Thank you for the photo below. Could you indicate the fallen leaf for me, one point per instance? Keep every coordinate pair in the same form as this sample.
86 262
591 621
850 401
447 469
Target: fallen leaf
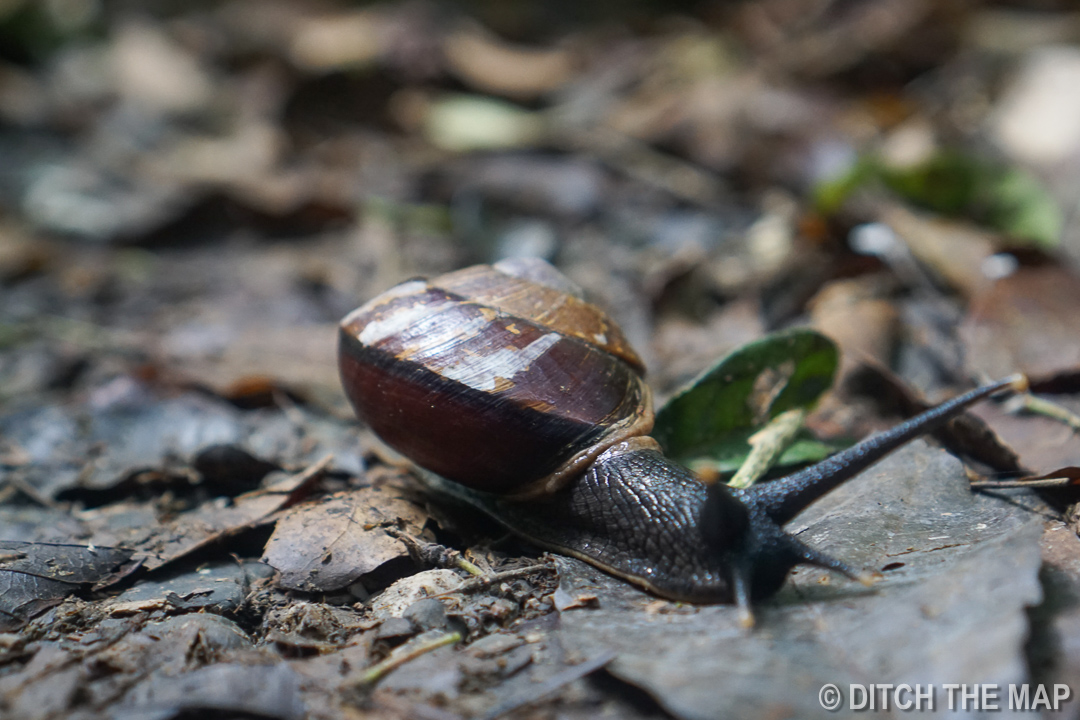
36 576
330 543
1026 322
160 543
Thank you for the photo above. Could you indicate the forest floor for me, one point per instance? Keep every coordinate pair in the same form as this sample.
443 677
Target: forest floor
193 195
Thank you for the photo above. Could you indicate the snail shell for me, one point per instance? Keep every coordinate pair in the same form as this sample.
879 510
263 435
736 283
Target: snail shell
507 367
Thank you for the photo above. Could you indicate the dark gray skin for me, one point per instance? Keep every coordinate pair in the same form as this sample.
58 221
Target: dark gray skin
647 519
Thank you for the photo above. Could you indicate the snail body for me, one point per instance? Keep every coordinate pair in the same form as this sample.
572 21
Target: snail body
532 406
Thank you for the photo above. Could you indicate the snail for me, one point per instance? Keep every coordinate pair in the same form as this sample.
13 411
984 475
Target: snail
530 404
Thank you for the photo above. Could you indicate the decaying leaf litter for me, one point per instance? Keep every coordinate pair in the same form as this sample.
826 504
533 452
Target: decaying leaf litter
190 519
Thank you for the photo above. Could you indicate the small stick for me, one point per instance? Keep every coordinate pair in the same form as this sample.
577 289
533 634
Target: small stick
1040 406
433 553
408 652
17 483
479 583
766 445
302 477
1022 483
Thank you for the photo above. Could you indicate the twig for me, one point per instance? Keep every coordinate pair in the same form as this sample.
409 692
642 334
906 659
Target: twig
20 485
432 553
297 483
406 653
1040 406
481 582
1022 483
766 445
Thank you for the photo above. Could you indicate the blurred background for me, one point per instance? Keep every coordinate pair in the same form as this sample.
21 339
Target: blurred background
193 193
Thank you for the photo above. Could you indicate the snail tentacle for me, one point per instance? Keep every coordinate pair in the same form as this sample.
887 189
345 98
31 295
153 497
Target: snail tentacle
785 498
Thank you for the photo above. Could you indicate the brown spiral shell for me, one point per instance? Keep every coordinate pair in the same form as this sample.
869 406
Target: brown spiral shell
501 378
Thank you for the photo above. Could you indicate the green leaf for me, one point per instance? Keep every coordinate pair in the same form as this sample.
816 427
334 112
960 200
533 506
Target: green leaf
830 193
1022 209
727 457
957 184
714 416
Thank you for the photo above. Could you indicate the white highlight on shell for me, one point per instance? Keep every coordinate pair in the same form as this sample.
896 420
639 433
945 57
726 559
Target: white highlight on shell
482 372
481 368
395 322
